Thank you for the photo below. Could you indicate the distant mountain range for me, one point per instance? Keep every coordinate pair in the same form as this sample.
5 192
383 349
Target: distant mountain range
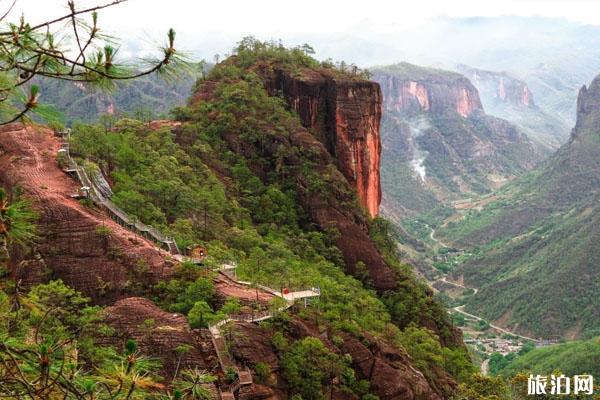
145 98
554 56
510 98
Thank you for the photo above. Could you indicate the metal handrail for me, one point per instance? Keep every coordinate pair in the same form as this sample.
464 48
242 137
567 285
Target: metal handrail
133 224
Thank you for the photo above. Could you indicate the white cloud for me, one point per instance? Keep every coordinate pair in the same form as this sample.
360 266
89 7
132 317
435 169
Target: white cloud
214 26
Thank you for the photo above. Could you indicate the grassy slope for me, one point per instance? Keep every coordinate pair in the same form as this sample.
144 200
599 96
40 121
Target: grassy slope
535 247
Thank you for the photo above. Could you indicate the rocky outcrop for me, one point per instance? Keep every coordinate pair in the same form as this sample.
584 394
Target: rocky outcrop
345 115
588 108
77 243
409 89
499 86
159 334
251 345
389 371
333 209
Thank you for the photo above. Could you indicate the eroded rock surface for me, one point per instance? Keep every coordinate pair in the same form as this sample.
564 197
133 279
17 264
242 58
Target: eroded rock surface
345 115
159 334
77 243
436 94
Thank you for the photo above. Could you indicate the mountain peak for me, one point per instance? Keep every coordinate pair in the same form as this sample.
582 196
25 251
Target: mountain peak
588 108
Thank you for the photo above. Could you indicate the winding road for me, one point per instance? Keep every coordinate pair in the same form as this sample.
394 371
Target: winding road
436 240
460 310
443 279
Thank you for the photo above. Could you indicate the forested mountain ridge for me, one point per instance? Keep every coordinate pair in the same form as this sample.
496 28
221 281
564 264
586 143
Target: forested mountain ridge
242 175
536 258
146 98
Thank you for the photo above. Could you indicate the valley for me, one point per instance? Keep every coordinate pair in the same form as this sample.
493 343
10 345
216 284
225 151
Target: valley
484 337
470 234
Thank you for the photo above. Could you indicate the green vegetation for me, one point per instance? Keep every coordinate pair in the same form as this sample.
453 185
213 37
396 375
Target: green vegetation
251 53
413 72
539 230
426 351
308 366
17 224
534 235
572 358
49 350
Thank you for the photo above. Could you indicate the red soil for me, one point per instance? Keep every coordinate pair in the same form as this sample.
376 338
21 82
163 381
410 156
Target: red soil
246 295
69 245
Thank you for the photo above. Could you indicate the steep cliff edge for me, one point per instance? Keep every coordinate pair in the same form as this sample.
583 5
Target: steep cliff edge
333 209
510 98
345 115
439 144
409 89
547 225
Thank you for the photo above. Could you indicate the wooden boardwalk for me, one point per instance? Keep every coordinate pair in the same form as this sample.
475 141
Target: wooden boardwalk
245 376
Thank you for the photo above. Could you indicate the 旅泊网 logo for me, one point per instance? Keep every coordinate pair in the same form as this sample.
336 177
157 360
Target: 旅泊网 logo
561 384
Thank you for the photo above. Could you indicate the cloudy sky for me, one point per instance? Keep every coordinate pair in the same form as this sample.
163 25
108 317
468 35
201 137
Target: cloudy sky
208 27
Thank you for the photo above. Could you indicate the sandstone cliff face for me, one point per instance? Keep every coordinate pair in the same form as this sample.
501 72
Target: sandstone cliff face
500 86
345 115
413 95
71 247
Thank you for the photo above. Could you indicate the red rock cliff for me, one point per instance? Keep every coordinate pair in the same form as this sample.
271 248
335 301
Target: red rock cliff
499 86
345 115
435 94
